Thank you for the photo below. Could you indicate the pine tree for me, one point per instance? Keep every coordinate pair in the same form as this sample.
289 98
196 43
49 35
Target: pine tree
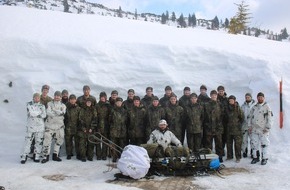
189 20
120 12
241 19
227 23
136 15
173 17
163 18
167 15
215 23
284 34
181 21
193 19
65 6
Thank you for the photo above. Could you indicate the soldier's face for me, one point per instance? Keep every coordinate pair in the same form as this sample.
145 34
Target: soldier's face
118 103
103 99
89 103
36 99
114 96
248 98
173 100
45 92
193 100
87 92
231 101
137 103
65 95
213 97
162 126
72 101
57 98
155 103
131 95
149 93
221 92
168 92
203 91
260 99
186 92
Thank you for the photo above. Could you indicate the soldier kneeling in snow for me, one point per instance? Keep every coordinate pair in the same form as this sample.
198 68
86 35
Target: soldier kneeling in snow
35 128
163 136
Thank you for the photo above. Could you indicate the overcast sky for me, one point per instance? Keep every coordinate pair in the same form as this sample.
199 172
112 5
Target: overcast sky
267 14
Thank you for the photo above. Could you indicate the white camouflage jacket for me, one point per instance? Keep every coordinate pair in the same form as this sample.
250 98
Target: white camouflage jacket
261 118
35 117
164 138
246 107
55 115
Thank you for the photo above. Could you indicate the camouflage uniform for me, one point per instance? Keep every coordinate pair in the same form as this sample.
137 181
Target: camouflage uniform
35 129
81 101
234 117
118 127
103 127
174 116
154 115
184 101
194 120
224 103
137 125
71 125
54 127
213 127
128 104
45 100
147 100
164 101
87 119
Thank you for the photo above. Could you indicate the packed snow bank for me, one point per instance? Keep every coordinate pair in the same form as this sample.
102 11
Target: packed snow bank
68 51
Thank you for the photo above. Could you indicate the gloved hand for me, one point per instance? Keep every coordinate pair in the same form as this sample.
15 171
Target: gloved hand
265 130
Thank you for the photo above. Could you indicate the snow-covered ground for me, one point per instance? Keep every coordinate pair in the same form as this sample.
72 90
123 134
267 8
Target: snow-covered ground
67 51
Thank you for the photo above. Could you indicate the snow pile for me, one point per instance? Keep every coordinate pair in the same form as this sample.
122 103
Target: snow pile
67 51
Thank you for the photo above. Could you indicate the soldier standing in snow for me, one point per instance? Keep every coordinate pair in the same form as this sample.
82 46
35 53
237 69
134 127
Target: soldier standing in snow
260 123
35 128
194 120
246 107
222 98
103 108
71 125
54 127
184 101
88 122
137 125
128 104
213 127
234 118
118 126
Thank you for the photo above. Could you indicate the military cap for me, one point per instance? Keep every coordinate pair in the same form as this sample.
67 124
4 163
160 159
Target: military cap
260 94
57 93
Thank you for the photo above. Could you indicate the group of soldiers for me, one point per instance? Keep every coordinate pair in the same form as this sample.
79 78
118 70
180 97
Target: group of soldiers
198 119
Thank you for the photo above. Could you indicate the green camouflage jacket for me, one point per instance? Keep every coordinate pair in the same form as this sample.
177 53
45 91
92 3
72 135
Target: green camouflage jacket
194 118
213 118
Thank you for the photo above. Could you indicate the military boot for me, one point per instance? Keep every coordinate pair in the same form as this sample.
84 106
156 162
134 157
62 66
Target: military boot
245 154
55 157
255 160
46 159
264 161
23 160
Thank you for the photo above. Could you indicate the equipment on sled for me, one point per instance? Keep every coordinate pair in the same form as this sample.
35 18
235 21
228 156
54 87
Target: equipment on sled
134 160
178 161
